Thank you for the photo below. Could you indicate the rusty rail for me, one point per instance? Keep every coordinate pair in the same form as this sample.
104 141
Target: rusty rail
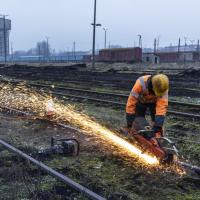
90 194
183 164
108 93
120 95
192 167
196 116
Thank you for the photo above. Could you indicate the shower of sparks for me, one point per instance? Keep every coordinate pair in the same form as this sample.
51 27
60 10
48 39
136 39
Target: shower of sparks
25 99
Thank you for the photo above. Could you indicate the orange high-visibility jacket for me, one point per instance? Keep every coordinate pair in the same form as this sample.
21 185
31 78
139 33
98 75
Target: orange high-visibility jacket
140 93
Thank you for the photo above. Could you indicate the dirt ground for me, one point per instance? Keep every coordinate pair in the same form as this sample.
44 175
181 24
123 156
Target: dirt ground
100 167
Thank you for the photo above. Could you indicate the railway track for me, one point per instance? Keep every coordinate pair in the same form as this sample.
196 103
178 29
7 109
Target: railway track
121 100
184 114
116 99
110 94
60 176
66 180
122 83
41 166
119 79
175 90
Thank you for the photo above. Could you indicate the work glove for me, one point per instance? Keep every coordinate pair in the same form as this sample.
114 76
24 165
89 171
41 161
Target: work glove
129 119
159 121
157 129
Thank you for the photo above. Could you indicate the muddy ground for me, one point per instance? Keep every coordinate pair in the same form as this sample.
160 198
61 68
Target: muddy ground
111 77
99 167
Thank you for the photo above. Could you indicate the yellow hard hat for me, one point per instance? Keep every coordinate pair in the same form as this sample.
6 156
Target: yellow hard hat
160 84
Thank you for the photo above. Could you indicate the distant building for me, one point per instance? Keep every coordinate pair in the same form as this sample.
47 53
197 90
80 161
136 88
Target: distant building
129 55
150 58
187 56
5 27
182 48
167 57
43 49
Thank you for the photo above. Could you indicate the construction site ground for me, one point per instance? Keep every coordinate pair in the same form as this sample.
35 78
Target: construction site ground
99 166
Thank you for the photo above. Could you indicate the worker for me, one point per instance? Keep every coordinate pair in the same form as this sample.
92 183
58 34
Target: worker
149 91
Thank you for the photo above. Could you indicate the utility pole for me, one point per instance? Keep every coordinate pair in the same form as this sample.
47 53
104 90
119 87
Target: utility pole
105 38
198 50
94 34
179 45
185 38
12 51
47 48
158 43
74 50
67 54
39 51
192 42
140 41
155 43
94 24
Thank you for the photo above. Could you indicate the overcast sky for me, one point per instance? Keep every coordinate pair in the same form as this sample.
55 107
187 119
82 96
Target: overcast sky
65 21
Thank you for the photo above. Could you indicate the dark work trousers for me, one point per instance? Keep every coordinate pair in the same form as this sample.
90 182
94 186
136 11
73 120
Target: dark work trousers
141 109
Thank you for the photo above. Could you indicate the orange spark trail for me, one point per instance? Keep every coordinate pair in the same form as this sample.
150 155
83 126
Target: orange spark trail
23 98
70 115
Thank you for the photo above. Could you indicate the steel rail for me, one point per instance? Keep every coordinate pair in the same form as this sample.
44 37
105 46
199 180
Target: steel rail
109 93
177 77
194 133
123 104
76 129
16 110
72 81
79 131
183 140
192 167
183 164
35 117
90 194
108 83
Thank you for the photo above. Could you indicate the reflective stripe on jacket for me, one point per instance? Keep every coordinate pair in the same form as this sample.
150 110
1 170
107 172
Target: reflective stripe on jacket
140 93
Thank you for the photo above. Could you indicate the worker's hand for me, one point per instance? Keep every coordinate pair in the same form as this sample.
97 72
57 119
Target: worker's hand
157 128
157 131
130 119
159 120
